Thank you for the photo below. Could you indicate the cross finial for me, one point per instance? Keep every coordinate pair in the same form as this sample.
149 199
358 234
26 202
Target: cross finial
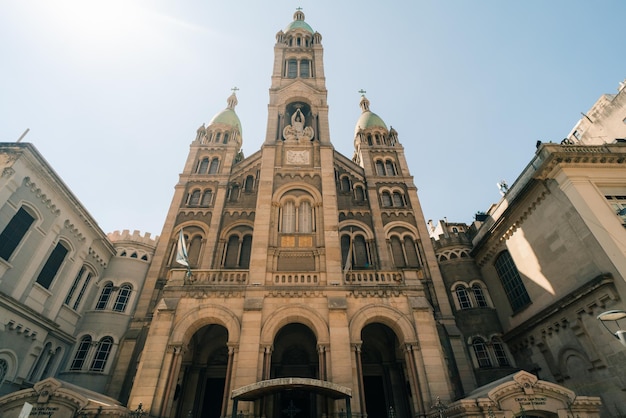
235 89
362 91
299 9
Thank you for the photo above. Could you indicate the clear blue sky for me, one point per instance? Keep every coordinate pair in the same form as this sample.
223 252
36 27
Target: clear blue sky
113 91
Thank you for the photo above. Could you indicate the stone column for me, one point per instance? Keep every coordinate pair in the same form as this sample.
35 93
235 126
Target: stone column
232 349
359 377
172 377
418 402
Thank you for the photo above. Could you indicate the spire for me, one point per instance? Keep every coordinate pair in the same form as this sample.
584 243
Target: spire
232 100
365 104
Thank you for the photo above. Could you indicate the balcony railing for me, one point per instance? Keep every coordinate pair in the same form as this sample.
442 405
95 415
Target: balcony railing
209 277
373 277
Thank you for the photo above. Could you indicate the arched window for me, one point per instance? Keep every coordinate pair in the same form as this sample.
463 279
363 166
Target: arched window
391 169
305 68
479 296
462 297
81 353
369 140
122 298
246 250
232 253
218 137
380 168
102 354
345 184
214 165
398 200
500 352
14 232
385 198
511 281
292 68
4 370
194 248
226 136
397 252
289 217
359 194
194 198
207 197
75 284
234 193
410 251
51 363
52 266
361 259
249 184
43 355
203 166
481 352
105 295
305 215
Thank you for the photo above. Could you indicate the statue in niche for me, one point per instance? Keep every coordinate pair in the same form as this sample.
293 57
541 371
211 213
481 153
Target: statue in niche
297 130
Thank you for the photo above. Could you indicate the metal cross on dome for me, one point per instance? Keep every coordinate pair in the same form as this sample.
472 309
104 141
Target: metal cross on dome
235 89
362 91
299 9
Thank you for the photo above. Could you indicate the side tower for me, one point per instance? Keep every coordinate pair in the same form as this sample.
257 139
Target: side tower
308 291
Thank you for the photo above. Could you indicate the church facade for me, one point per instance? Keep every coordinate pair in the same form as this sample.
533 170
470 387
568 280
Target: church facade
303 263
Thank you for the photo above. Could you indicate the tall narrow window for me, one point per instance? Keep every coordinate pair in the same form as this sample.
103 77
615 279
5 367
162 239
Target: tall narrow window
102 354
359 248
391 168
105 295
207 197
479 296
194 198
410 251
82 291
203 166
305 218
511 281
79 276
482 355
359 194
292 68
386 200
380 168
305 68
52 266
398 200
289 217
225 141
246 250
498 349
345 184
232 252
81 353
462 297
214 166
397 252
14 232
249 184
122 298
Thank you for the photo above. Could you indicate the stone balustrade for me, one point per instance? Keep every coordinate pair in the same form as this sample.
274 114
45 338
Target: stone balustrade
369 277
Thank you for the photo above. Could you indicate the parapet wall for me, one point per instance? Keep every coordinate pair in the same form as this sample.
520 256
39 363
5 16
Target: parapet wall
135 236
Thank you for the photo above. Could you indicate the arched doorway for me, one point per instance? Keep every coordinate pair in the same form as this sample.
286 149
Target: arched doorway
200 391
294 355
384 383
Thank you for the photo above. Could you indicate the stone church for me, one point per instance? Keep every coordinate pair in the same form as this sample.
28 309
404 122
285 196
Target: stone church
299 282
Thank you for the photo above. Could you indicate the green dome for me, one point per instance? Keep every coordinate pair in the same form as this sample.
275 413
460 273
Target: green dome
369 119
227 117
299 23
